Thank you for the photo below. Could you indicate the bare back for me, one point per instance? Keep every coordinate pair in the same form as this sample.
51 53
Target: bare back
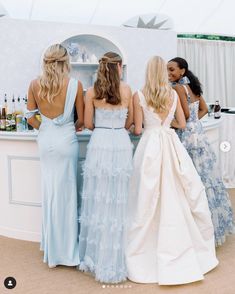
54 109
193 97
91 103
125 97
164 114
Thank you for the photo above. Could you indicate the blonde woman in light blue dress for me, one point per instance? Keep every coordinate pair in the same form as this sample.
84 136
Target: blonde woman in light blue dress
55 96
107 169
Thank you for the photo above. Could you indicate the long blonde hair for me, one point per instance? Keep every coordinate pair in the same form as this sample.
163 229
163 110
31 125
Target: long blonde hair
55 67
107 85
157 89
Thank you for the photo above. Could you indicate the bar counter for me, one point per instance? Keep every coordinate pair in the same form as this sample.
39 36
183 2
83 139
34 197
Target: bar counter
20 191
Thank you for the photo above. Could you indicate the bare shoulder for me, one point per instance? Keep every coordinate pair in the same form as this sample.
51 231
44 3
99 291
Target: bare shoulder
90 93
125 87
34 87
201 98
178 88
174 94
80 85
136 99
136 95
34 83
126 94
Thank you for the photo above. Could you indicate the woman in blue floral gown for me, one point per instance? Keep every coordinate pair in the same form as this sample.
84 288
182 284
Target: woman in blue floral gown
195 141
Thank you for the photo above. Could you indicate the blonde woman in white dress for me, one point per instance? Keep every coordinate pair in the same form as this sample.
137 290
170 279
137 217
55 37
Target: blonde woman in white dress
170 238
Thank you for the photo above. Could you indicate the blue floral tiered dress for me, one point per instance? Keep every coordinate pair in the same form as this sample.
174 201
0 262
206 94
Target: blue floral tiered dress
204 159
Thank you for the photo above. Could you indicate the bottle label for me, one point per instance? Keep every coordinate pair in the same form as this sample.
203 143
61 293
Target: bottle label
217 114
19 123
13 122
8 122
2 124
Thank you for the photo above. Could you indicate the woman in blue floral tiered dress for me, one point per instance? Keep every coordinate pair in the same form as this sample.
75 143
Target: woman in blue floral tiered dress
107 170
195 141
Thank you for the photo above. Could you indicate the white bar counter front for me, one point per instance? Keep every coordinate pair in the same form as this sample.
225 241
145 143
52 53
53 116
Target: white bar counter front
20 186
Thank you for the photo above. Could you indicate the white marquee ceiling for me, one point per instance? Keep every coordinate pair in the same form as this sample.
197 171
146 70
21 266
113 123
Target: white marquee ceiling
189 16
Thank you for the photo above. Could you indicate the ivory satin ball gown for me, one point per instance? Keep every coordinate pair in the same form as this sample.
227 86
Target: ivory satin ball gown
170 236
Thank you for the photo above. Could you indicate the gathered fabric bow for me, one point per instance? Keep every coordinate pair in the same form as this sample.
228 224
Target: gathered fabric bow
183 81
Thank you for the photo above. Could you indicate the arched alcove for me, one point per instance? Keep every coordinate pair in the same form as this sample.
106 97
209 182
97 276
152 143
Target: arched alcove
85 51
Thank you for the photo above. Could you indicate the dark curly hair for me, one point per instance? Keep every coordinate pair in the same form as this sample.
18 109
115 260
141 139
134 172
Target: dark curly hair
194 85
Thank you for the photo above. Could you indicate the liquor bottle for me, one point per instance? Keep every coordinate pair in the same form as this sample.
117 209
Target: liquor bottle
28 127
217 110
8 117
20 123
19 109
0 118
3 119
5 102
13 116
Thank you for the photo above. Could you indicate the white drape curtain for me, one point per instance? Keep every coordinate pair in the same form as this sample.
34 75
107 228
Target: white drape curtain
213 62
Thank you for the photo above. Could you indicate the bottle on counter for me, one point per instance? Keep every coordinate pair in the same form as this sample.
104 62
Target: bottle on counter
3 119
8 117
19 109
0 118
217 110
20 126
13 115
20 122
28 127
5 102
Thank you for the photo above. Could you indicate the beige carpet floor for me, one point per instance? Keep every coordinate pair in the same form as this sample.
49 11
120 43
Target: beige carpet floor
23 260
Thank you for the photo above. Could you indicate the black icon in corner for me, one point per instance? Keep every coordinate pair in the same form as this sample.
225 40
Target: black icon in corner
10 282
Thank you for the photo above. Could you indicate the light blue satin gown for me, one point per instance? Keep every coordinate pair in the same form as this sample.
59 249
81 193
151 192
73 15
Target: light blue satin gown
58 149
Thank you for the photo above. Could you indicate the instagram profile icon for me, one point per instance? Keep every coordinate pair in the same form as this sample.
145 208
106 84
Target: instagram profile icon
10 282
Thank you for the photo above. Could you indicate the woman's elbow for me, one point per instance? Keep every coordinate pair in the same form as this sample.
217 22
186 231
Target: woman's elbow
80 123
186 114
137 131
182 125
205 111
89 126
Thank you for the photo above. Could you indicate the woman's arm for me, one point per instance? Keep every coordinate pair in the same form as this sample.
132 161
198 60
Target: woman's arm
138 115
79 104
32 105
203 109
183 99
179 121
129 120
89 109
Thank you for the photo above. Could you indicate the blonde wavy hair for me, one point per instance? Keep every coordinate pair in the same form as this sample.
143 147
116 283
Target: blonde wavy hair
107 85
157 89
55 67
